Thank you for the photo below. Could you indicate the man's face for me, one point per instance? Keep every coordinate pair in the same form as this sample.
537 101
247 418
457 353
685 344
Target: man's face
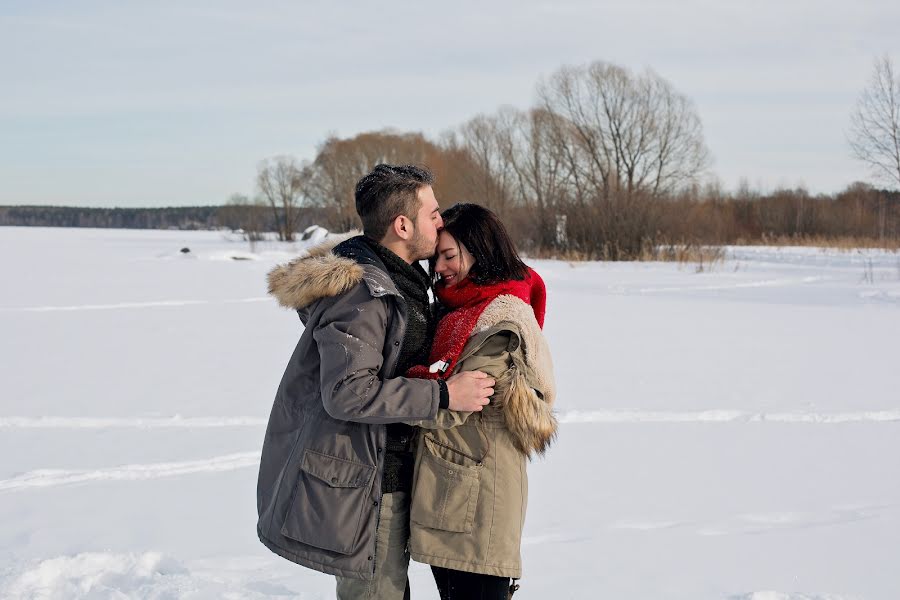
423 243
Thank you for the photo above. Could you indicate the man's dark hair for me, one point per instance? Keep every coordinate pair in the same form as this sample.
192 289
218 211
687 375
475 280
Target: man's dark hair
388 192
484 236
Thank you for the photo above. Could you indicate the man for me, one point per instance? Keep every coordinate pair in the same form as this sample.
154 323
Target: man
336 466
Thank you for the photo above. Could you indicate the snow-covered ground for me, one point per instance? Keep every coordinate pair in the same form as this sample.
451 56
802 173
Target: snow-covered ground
726 434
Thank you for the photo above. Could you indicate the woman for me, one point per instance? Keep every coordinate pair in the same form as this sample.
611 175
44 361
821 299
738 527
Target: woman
470 487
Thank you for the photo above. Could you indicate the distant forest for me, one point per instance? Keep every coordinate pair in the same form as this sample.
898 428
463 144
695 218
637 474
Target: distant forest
182 217
253 219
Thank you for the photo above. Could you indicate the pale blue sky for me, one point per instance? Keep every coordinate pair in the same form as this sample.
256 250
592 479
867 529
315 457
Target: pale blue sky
170 103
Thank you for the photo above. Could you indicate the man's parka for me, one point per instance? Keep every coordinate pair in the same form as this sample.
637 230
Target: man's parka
319 486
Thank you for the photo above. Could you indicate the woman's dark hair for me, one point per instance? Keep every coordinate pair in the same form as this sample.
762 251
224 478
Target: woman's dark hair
486 239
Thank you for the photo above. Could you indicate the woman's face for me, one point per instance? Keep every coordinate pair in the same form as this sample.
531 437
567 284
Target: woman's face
453 260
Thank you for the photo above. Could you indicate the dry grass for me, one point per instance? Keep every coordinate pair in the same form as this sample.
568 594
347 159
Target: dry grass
571 256
845 243
704 257
708 256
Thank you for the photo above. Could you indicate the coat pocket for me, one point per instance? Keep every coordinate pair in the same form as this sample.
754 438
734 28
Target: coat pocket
446 493
330 502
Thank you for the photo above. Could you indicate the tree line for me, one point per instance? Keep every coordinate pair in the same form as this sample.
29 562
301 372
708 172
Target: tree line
699 216
180 217
607 163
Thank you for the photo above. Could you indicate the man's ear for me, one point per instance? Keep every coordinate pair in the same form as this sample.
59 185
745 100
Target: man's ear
403 227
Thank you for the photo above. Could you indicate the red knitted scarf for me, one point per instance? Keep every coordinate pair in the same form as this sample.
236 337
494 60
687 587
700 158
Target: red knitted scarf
467 300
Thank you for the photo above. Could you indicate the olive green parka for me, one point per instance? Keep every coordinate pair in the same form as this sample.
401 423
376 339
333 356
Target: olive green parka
470 489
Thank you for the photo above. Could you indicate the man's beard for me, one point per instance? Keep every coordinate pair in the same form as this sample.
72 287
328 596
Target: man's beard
420 248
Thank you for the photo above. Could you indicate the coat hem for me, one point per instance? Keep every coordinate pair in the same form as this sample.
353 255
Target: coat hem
306 562
467 566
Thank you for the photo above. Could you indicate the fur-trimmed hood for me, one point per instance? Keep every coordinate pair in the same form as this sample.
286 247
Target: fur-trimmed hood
527 405
320 273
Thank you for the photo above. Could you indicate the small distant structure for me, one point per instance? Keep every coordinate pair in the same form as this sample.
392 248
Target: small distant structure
314 234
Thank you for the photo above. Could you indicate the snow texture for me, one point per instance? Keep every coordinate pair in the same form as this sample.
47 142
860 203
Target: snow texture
729 434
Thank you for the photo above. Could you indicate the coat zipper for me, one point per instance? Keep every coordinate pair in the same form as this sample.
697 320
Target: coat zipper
380 458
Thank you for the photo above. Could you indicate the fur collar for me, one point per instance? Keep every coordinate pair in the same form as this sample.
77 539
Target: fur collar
317 274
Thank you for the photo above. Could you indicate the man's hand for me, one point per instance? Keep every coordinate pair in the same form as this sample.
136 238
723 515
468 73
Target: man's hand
470 391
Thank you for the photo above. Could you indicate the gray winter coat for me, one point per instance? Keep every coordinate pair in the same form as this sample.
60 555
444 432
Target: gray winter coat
322 461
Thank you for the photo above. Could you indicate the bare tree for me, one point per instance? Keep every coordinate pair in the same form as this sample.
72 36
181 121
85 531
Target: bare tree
520 170
624 141
483 138
244 214
626 132
231 214
340 163
282 181
875 123
538 166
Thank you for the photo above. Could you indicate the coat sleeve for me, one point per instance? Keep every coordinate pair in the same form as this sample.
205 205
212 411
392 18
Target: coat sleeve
491 357
351 337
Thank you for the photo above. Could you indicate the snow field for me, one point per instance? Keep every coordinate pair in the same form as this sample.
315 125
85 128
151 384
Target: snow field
730 434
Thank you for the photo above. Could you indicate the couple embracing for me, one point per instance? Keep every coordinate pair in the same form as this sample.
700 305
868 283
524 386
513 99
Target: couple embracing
402 426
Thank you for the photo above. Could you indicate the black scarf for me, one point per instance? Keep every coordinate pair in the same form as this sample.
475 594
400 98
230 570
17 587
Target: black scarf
413 284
